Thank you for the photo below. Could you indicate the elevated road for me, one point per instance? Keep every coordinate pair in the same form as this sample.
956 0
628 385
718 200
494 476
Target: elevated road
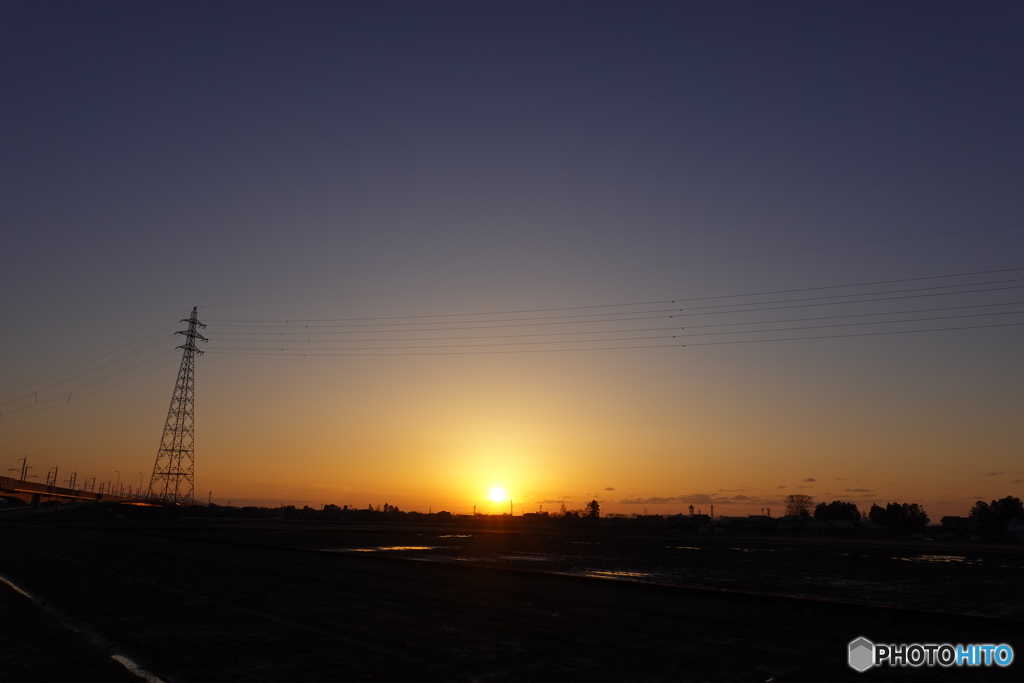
38 494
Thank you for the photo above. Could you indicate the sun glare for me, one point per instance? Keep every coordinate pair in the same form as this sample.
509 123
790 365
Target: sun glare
498 494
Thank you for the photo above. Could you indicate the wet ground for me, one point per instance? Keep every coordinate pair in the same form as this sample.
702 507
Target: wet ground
204 600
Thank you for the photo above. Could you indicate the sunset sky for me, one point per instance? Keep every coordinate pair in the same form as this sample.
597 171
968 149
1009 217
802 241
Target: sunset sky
467 224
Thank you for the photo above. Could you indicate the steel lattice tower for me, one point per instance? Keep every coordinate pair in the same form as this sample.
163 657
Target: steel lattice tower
173 472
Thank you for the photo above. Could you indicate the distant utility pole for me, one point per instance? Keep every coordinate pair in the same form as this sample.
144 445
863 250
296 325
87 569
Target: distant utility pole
173 477
51 476
71 480
24 463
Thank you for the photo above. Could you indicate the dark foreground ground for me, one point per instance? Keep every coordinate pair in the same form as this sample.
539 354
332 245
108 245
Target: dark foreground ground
201 600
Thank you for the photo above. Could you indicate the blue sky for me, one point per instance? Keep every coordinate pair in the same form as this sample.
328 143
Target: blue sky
161 156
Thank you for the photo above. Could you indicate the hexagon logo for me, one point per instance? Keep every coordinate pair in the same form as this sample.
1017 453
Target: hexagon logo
862 654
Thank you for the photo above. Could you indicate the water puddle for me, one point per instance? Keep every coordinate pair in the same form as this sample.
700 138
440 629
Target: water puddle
600 574
527 557
939 558
378 549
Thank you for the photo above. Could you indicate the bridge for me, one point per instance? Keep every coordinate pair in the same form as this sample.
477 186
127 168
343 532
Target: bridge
33 495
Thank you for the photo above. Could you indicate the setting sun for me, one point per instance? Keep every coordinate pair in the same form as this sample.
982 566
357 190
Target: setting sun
498 494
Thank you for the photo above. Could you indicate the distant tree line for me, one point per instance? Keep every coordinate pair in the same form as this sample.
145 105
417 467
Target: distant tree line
991 518
837 511
900 519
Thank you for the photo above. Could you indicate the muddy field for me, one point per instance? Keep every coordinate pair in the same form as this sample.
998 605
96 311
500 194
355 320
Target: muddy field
207 600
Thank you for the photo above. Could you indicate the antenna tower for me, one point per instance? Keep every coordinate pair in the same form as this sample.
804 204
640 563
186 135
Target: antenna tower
173 472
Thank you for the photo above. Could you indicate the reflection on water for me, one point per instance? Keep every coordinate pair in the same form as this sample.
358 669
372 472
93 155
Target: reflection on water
528 557
136 669
615 574
377 549
939 558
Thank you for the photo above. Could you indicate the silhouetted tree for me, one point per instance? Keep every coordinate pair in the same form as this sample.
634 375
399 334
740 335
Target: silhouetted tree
837 511
992 518
798 504
900 518
592 510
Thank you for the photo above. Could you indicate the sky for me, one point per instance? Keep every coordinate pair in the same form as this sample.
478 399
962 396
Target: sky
437 246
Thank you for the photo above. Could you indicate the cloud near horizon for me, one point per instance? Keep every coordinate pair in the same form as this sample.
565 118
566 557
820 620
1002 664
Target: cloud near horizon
690 499
810 479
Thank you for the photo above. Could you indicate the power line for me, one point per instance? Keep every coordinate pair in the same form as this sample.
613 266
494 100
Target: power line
855 334
583 341
785 252
389 351
616 348
462 346
614 330
84 373
92 382
75 367
5 419
638 303
675 312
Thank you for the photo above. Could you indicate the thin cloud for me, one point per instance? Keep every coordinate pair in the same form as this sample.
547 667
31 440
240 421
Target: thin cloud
810 479
994 474
858 490
1017 481
781 486
648 501
688 499
609 488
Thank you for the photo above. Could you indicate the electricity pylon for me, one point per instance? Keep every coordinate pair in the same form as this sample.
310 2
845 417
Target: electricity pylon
173 472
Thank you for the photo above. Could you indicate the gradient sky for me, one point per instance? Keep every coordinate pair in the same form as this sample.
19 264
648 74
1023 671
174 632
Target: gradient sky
308 160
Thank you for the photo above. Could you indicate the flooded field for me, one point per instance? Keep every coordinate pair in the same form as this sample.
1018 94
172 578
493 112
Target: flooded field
985 580
209 600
